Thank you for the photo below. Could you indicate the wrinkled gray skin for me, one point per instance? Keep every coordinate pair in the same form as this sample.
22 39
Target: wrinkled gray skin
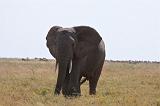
79 52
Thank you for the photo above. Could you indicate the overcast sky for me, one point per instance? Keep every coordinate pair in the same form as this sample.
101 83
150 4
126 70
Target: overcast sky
130 28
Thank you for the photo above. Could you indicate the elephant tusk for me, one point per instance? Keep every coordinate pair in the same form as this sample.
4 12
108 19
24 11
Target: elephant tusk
70 67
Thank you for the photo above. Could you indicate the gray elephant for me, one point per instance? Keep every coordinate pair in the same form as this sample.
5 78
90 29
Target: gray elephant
79 52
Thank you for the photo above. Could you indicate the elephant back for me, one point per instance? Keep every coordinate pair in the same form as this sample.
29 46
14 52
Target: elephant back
87 34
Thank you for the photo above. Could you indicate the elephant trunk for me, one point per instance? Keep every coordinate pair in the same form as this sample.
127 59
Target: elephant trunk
63 58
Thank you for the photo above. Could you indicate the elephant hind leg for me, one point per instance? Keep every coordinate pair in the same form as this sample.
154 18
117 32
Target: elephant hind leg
92 86
94 80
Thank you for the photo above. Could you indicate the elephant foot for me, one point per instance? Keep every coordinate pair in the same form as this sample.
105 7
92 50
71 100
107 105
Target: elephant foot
56 92
72 95
65 92
74 92
92 92
71 92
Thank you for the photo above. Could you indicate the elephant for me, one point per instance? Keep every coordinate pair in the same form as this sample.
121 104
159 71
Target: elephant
80 53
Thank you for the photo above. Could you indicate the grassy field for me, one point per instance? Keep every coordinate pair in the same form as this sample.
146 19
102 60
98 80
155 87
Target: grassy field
31 83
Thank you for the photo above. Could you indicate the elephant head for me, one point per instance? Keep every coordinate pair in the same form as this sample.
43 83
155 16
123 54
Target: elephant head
66 44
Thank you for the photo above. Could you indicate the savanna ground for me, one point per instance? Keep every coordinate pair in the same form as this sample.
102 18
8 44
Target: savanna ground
31 83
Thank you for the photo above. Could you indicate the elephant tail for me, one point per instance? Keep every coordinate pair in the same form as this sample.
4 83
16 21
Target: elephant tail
56 65
83 80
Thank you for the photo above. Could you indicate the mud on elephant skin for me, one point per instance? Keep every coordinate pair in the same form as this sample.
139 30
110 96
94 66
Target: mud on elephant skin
79 52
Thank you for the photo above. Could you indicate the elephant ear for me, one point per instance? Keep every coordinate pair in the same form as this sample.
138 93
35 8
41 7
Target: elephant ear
51 39
52 32
88 40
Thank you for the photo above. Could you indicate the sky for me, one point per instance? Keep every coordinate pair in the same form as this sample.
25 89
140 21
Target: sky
129 28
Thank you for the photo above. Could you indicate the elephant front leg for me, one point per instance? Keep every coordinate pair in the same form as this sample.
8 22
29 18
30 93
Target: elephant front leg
65 90
57 90
74 84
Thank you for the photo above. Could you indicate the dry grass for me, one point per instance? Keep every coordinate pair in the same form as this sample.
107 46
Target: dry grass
31 83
